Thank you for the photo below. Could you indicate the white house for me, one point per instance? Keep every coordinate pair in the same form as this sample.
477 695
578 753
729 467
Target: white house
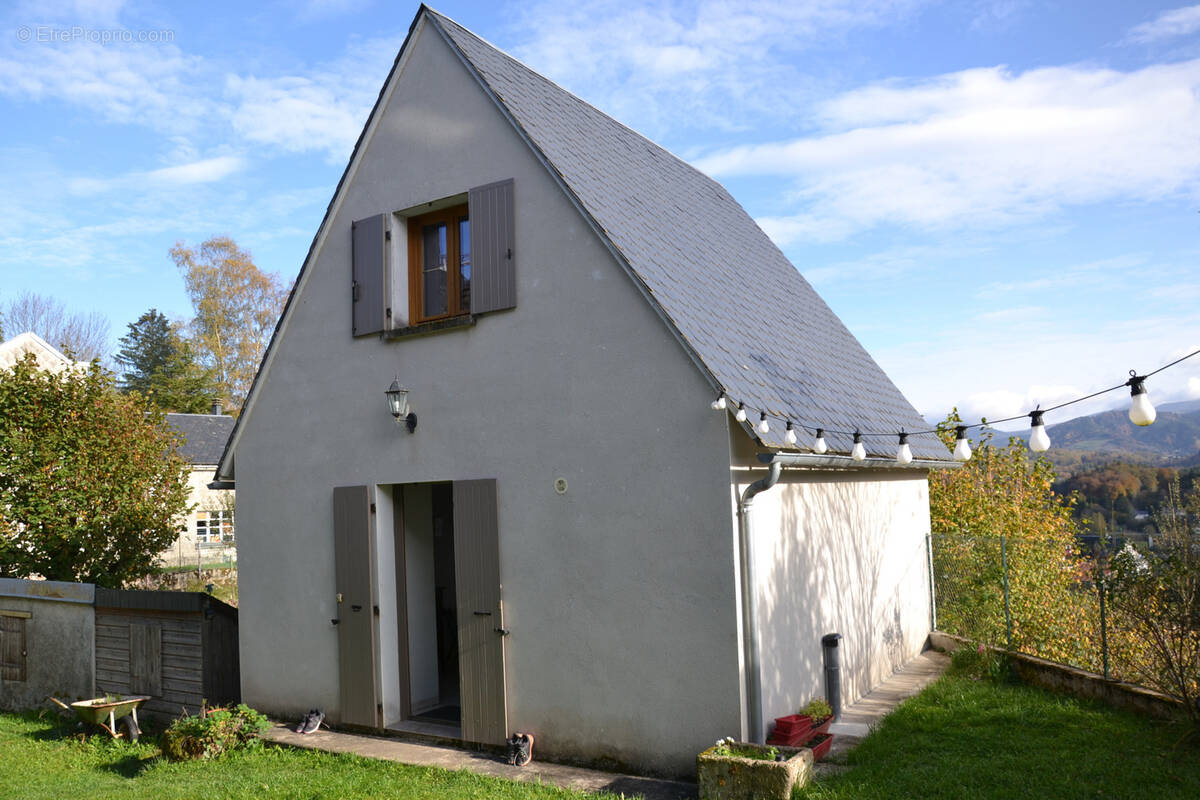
552 541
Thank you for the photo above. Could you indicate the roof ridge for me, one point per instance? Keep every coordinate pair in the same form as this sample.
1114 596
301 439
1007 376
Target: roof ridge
574 96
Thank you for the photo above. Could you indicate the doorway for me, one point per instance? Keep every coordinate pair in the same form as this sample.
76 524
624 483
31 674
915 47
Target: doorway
430 600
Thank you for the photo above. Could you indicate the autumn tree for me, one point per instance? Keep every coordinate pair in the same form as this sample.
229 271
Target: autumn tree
82 336
91 484
160 365
1000 507
1156 595
236 306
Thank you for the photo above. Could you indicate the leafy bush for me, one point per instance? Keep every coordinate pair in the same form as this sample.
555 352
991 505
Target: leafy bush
212 733
818 709
981 663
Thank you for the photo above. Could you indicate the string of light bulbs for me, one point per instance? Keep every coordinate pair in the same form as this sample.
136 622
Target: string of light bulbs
1141 413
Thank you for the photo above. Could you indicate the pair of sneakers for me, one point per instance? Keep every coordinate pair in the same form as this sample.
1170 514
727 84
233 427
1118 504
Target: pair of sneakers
312 720
520 749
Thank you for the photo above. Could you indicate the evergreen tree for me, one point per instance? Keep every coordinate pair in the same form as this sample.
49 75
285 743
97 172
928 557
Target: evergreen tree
160 366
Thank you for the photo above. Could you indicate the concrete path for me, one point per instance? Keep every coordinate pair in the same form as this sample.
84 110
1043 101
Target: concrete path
858 719
855 723
483 763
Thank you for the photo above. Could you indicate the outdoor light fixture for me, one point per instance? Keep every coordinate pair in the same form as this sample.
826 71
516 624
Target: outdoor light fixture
719 404
397 397
789 435
763 427
740 416
1039 442
819 445
859 452
904 452
962 447
1141 413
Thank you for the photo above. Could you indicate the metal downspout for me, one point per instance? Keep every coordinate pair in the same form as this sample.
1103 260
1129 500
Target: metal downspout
749 593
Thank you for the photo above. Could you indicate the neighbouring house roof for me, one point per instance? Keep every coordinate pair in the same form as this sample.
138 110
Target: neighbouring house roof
48 357
748 318
204 435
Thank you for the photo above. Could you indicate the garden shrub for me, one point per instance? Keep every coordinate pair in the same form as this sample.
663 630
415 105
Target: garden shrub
212 733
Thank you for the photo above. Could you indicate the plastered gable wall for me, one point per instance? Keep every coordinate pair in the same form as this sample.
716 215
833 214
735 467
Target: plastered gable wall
840 552
619 594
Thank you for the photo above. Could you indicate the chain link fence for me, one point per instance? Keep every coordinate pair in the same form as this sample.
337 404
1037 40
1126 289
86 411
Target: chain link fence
1034 597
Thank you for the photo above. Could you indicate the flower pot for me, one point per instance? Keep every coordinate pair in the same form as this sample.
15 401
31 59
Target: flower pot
820 745
821 726
731 777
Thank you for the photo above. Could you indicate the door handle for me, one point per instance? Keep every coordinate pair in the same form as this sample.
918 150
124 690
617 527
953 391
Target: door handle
483 613
502 631
355 608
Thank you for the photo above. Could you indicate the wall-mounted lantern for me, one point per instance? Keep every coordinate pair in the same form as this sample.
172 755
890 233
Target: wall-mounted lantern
397 397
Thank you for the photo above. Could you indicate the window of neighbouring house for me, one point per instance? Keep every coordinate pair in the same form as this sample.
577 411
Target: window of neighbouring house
439 264
214 526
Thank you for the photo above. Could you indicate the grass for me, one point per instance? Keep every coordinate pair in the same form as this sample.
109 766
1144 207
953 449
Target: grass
975 733
44 758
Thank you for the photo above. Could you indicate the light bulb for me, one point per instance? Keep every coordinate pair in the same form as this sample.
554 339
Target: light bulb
763 427
790 435
819 445
740 416
719 404
904 452
1141 412
1039 442
962 447
859 452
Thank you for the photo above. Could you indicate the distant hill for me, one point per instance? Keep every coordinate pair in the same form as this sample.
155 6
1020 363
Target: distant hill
1174 437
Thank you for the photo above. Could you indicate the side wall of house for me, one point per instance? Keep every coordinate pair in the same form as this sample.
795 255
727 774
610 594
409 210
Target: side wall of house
838 552
619 594
56 620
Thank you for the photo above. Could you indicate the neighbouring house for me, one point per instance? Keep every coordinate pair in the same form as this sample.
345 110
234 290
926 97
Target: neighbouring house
48 357
207 533
548 536
75 641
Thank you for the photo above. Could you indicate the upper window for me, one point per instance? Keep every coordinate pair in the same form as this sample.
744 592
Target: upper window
439 264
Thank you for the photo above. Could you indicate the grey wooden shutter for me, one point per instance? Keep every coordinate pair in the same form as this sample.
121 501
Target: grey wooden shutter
354 575
12 649
480 613
493 247
145 659
368 288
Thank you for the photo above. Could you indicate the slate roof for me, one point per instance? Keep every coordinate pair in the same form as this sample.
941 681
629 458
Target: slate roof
746 313
204 436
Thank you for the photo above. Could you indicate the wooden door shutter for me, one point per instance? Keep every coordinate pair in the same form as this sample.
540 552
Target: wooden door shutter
354 556
145 659
493 247
12 648
368 288
480 614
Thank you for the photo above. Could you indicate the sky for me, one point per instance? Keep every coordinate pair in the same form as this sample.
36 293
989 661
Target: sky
999 198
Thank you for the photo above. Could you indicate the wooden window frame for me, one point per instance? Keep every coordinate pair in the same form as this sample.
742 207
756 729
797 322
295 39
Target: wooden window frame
451 217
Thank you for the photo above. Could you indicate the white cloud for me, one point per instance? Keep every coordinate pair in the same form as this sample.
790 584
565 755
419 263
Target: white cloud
984 147
1193 388
1167 25
206 171
688 64
322 111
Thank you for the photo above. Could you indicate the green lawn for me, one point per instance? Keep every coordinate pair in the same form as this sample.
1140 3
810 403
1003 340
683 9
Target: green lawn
972 736
40 758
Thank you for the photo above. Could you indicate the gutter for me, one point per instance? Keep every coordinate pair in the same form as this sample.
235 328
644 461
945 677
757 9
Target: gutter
812 460
750 638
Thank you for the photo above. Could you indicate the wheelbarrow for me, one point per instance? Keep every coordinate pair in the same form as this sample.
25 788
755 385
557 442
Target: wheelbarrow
121 714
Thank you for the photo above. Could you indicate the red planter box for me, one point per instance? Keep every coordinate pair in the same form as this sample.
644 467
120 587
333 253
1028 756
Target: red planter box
792 731
820 745
823 727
